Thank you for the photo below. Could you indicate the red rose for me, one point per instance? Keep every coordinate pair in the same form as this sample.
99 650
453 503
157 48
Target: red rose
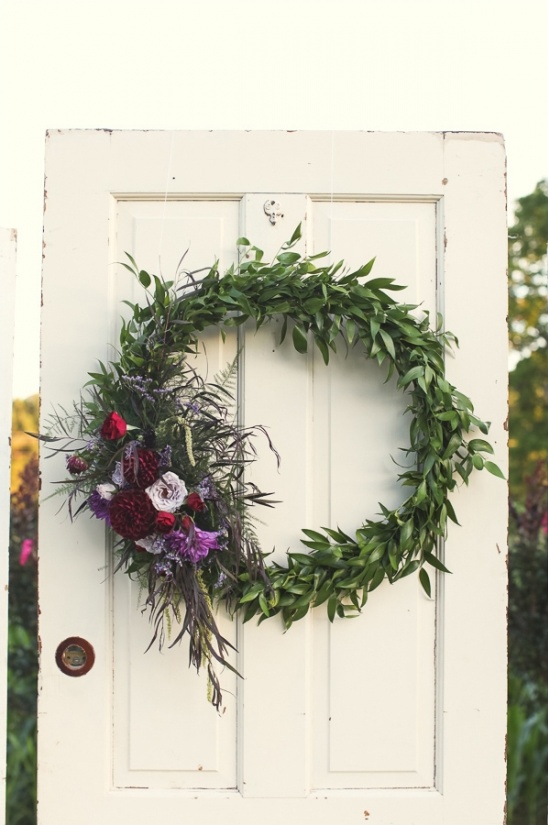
195 502
76 465
113 427
186 523
140 467
164 522
132 514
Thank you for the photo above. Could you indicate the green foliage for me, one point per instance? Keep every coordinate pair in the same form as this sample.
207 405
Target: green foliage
22 655
527 246
528 642
23 447
528 565
528 329
327 306
527 753
528 555
528 420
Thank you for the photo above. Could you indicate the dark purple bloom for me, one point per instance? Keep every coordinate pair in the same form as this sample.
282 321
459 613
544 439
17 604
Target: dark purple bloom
194 545
165 456
99 506
206 489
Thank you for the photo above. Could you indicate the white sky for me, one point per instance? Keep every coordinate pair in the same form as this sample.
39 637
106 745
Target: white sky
405 65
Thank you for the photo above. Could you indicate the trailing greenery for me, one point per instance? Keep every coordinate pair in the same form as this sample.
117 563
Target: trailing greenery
328 307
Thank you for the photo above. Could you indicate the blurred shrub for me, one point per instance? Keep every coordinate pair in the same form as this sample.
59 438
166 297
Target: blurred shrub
22 652
528 663
527 753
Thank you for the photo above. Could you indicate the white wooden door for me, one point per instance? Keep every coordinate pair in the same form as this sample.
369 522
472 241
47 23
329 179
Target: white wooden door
395 717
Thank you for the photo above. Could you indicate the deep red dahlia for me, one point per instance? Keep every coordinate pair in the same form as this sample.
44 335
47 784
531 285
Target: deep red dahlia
141 468
132 514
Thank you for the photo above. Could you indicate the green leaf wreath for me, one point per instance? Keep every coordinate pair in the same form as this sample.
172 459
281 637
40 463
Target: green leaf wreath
156 452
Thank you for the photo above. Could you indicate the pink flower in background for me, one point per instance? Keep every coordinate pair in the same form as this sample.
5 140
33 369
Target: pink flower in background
26 551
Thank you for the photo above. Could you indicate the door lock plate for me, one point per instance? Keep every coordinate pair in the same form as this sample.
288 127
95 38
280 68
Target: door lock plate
75 656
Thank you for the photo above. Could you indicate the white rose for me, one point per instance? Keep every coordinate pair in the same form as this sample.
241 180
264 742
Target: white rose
167 493
106 491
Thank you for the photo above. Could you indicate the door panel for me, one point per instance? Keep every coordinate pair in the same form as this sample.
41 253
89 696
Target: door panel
333 427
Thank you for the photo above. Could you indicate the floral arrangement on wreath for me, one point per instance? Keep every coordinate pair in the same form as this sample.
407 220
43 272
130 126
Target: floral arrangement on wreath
159 456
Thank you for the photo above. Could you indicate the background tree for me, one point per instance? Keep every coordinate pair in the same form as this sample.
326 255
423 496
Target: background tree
528 606
528 322
22 646
23 447
527 247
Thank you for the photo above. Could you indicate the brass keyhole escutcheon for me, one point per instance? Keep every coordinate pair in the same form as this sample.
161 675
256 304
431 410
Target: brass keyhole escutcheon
75 656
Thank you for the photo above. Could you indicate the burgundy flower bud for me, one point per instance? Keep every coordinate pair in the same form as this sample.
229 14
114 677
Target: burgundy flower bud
195 502
76 465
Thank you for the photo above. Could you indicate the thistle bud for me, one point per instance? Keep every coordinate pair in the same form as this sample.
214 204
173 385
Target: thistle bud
76 465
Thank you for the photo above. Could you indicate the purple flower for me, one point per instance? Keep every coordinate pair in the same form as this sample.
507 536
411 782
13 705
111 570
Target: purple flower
165 456
99 506
194 545
206 489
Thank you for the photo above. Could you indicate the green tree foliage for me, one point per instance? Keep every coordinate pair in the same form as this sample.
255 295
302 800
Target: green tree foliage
528 606
528 329
527 753
528 421
22 638
23 447
22 653
528 666
527 245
